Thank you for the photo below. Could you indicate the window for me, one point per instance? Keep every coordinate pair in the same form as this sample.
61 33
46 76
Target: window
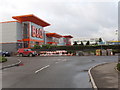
37 43
25 30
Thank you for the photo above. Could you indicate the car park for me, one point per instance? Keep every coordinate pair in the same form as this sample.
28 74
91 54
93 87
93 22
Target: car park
26 52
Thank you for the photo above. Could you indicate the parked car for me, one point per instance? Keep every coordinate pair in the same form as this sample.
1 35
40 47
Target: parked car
26 52
4 53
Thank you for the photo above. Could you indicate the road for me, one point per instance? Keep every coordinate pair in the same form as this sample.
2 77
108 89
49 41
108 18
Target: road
52 72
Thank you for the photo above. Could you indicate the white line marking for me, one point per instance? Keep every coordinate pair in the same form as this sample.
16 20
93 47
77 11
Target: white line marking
42 68
56 62
64 60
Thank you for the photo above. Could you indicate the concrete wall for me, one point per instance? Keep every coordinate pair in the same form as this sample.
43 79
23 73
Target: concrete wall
9 32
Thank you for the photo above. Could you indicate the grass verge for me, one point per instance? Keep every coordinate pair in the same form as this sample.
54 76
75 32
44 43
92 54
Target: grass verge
2 59
118 66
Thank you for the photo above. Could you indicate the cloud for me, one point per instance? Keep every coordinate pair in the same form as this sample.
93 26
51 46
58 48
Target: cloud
80 18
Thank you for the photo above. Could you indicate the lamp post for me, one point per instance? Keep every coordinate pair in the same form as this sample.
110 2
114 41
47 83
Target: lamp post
116 33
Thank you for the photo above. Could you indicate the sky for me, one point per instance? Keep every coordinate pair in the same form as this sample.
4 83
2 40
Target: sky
79 18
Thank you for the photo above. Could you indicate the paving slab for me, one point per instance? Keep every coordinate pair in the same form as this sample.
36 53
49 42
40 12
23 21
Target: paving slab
106 76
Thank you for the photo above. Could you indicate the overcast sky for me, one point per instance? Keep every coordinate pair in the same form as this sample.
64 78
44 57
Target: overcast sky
79 18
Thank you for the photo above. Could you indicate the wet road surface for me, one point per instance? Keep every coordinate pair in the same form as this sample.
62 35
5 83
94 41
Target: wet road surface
52 72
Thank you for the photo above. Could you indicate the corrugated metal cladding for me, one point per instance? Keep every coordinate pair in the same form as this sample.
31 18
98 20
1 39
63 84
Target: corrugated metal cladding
9 32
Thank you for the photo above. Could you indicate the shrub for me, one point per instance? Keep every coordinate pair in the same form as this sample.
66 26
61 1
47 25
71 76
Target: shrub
37 47
118 66
116 48
47 46
3 59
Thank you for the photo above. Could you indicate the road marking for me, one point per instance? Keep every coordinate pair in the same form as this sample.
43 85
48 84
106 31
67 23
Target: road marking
64 60
42 68
56 62
58 59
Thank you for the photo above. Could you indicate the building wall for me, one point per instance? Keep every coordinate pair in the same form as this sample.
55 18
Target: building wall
61 41
44 35
19 35
49 39
0 36
113 43
12 35
68 41
84 40
19 31
10 47
0 47
9 36
9 31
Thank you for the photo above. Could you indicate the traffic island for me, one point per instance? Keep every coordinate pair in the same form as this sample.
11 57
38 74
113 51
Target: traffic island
10 63
104 76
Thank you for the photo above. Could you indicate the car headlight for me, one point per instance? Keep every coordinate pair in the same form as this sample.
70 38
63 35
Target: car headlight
6 52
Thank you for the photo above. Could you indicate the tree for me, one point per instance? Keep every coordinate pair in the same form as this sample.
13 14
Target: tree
81 43
36 47
88 43
75 43
100 40
47 46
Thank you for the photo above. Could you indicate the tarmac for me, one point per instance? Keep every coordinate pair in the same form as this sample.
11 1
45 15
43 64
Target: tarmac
106 76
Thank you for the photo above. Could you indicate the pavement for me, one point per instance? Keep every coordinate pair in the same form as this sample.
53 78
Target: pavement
106 76
10 62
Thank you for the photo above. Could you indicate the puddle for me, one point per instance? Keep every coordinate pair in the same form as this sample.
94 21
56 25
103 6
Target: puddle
81 80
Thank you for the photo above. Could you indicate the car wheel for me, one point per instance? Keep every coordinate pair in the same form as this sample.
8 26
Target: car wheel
4 55
21 55
30 54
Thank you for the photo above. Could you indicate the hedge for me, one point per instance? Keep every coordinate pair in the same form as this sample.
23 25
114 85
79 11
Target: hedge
116 48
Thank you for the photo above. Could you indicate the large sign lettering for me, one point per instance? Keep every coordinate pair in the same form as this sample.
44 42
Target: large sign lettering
37 32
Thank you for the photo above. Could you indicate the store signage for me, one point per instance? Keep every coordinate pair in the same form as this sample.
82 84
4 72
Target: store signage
37 32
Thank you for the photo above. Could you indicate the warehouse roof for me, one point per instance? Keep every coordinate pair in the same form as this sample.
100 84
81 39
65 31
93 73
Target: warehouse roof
31 18
53 35
68 36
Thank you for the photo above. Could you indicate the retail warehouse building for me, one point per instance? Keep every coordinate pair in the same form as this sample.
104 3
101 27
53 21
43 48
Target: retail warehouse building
27 31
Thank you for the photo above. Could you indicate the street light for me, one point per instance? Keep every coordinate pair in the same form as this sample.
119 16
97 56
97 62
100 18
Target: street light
116 33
